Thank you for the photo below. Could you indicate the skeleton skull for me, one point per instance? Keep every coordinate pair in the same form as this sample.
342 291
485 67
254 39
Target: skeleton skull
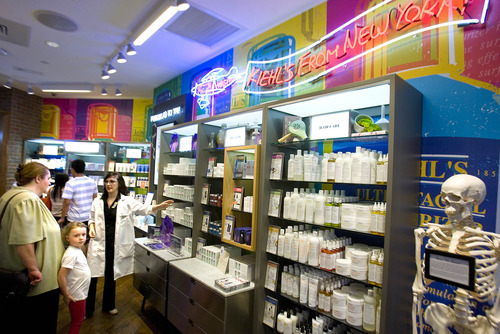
459 193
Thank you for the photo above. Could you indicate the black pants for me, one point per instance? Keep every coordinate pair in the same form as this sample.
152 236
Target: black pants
35 314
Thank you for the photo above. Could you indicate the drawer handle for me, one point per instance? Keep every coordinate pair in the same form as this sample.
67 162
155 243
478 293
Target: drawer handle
147 252
147 269
191 301
193 281
191 322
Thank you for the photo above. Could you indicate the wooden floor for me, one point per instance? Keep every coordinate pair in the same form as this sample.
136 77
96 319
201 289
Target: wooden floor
130 318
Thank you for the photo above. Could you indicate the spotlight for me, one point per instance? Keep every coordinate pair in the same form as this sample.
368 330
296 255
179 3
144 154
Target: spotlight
111 69
104 74
30 90
131 50
121 58
8 84
182 5
103 91
118 92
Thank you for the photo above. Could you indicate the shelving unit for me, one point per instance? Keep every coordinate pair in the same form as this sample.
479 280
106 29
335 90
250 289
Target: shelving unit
132 161
401 192
250 186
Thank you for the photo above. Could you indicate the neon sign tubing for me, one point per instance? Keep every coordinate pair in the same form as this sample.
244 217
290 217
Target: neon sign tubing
412 33
485 9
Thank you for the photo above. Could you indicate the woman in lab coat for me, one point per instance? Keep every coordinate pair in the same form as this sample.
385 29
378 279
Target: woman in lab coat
111 229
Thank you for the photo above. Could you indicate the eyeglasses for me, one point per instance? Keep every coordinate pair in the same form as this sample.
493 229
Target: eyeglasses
109 181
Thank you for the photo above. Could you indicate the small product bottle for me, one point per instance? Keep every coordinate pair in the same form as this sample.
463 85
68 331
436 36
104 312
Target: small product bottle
324 168
308 166
380 269
327 301
298 167
319 209
221 135
365 168
339 168
289 282
374 218
313 253
321 297
293 204
309 218
287 205
280 324
331 167
336 209
291 162
281 242
347 168
369 311
296 286
287 327
328 208
287 253
377 318
304 288
322 255
211 142
356 165
301 206
295 247
379 177
313 292
284 281
303 248
372 267
381 219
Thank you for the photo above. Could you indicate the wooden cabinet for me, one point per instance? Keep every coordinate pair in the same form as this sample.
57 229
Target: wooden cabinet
197 306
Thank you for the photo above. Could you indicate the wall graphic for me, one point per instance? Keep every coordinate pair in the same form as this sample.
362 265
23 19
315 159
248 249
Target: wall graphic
100 119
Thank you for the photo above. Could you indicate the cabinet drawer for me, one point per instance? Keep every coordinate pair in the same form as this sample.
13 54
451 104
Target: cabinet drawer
159 285
195 290
193 311
183 324
141 255
142 271
158 301
157 266
141 286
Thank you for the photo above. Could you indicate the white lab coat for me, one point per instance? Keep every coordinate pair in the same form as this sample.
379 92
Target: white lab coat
124 236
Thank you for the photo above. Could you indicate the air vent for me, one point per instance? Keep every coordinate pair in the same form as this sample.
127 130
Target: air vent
201 27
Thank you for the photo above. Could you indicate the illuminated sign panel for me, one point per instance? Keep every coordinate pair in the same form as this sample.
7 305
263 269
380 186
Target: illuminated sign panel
402 21
214 82
167 114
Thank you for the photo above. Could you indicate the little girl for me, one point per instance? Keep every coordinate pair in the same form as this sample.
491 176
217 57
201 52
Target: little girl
74 275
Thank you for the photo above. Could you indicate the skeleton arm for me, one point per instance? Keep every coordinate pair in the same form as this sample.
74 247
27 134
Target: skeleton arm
493 314
418 285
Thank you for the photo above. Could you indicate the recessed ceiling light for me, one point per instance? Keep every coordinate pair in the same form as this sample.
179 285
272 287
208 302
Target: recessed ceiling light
52 44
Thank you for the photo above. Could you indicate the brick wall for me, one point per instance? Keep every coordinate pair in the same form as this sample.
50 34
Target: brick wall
25 123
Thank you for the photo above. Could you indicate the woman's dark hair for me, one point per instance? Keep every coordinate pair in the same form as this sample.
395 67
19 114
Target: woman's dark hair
26 173
60 182
122 188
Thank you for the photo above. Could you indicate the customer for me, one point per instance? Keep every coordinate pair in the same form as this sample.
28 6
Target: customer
111 229
74 275
78 195
30 238
55 194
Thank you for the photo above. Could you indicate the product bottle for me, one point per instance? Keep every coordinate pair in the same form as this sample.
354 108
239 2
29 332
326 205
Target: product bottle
287 205
221 135
374 218
321 297
284 281
380 269
324 168
356 165
281 322
289 282
295 287
336 208
281 242
291 162
347 168
304 288
328 208
309 207
331 167
295 247
339 168
316 167
379 177
327 301
372 267
308 166
373 167
322 255
330 256
303 248
377 318
287 327
211 142
287 253
369 311
293 204
298 167
386 167
381 219
313 292
313 253
319 209
365 168
301 206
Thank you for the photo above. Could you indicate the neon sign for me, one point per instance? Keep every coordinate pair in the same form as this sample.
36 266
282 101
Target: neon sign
214 82
271 76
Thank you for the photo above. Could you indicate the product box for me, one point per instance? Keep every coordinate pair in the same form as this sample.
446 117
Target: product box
242 235
243 266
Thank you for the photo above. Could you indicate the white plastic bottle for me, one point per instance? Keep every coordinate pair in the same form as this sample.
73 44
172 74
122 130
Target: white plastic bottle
373 167
295 247
380 269
304 288
293 204
356 165
308 166
339 168
295 286
291 163
336 209
365 168
286 205
298 167
369 311
379 177
313 251
289 282
287 253
313 292
284 281
316 167
281 242
377 318
374 218
309 218
347 168
301 206
287 327
324 168
319 209
303 248
281 322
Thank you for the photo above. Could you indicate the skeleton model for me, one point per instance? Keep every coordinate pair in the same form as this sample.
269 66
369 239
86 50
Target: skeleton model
459 194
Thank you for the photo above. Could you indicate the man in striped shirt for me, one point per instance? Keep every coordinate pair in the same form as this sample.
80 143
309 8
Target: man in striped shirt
78 195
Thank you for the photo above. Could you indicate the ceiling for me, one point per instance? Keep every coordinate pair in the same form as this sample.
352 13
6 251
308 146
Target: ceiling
102 29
